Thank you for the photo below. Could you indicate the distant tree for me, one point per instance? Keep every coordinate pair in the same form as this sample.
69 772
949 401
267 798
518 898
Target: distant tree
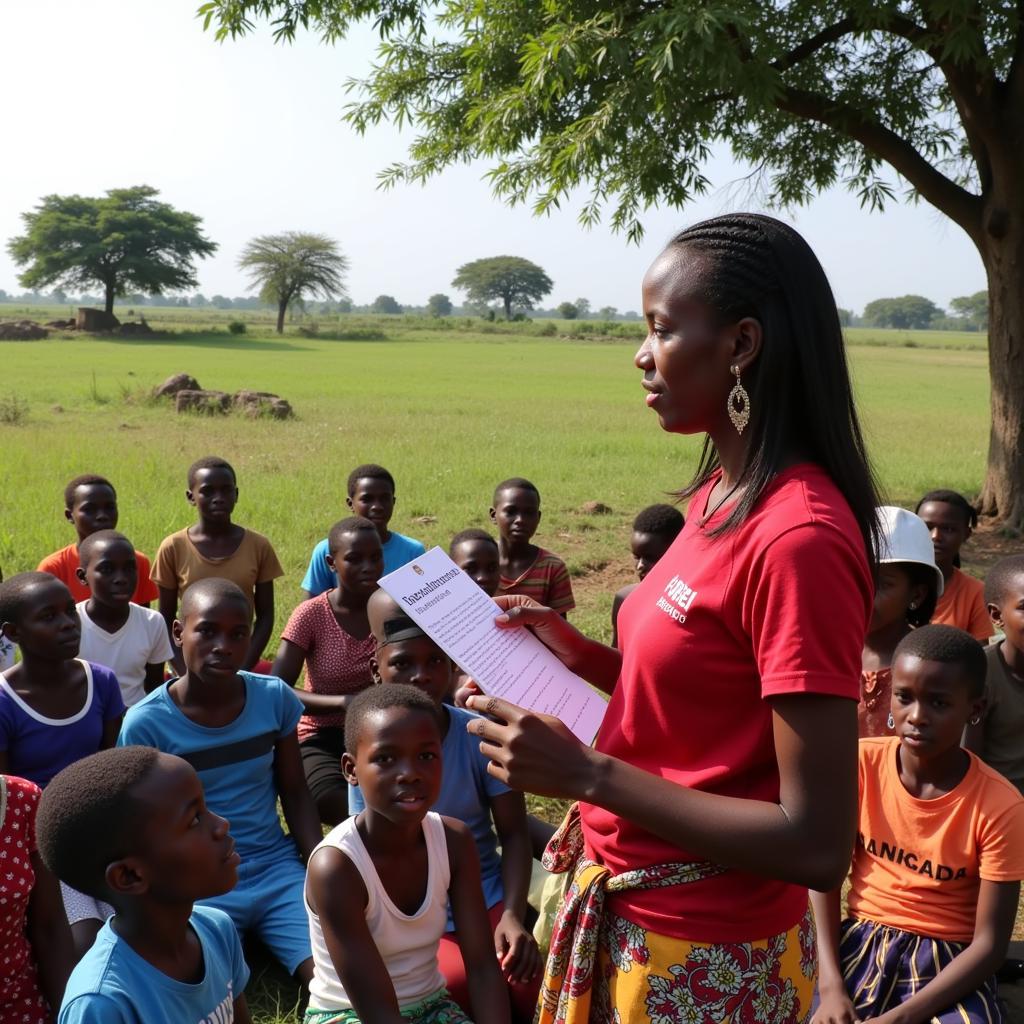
126 239
845 316
568 310
344 305
439 305
973 309
286 268
386 304
199 300
512 279
913 312
59 296
4 297
582 308
607 312
221 302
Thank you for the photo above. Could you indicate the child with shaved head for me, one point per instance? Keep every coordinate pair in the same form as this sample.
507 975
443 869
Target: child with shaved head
237 730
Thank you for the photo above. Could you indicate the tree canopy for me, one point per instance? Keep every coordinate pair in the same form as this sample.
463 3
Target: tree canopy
286 268
907 311
973 309
387 304
439 304
124 241
512 279
626 100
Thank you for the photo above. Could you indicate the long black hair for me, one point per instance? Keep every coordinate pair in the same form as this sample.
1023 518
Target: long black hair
800 393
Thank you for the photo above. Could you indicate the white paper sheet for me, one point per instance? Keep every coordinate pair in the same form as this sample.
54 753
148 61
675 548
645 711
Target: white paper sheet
512 664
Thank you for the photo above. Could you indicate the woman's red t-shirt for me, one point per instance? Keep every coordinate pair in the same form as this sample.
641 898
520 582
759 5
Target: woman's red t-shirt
719 625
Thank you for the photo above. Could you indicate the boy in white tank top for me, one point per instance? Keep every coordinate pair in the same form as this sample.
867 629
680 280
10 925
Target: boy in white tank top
378 886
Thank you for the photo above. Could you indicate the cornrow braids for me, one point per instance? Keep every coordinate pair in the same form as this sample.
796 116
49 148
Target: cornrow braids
801 396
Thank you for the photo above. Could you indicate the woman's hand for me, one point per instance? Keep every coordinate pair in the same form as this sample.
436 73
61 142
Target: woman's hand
532 752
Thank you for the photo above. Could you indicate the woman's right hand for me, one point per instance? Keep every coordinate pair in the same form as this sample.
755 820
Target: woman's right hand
550 628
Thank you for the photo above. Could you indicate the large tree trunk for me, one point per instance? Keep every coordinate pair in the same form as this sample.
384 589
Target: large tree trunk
508 307
108 308
1002 250
282 308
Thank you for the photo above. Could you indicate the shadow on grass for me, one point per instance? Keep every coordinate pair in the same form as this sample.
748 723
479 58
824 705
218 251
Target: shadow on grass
273 997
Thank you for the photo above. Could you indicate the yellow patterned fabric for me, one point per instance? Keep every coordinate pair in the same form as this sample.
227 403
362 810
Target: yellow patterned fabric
602 969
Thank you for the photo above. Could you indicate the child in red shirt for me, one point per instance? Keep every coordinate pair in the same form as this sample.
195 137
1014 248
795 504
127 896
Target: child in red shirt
938 860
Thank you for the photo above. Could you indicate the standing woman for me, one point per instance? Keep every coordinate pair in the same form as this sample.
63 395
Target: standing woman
723 782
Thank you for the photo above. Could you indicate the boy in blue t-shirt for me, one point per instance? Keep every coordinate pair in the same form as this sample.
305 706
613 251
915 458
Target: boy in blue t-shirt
237 730
405 654
371 494
129 826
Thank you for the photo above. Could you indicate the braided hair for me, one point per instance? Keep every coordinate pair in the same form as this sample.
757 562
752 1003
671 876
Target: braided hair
801 397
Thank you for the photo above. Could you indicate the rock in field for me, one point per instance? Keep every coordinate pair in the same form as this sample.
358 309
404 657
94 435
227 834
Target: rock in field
174 384
209 402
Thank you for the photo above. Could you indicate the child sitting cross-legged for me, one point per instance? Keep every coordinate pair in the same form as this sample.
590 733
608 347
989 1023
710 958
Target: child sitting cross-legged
130 827
331 635
130 640
237 730
379 886
90 505
939 856
494 814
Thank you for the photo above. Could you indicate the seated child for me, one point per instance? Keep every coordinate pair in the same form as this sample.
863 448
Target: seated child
130 640
237 730
1002 728
331 634
405 654
215 546
130 827
90 505
476 553
905 593
8 651
379 886
654 529
951 519
371 495
938 860
34 933
525 568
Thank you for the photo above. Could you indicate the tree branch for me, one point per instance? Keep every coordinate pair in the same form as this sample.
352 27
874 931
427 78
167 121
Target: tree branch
957 203
811 46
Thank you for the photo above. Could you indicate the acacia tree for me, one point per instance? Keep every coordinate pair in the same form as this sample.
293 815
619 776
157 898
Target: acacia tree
292 265
513 280
627 98
124 241
908 311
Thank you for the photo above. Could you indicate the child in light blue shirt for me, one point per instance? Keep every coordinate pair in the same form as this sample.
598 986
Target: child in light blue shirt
371 494
129 826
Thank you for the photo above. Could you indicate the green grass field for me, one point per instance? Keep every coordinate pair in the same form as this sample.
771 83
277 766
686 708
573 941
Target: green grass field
450 412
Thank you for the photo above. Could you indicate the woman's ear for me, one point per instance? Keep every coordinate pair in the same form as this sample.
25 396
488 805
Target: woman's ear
746 345
918 595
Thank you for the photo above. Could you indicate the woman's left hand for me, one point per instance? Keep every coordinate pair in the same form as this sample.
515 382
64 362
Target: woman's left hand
532 752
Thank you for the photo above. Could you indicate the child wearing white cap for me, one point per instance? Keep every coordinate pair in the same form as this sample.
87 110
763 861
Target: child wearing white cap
909 585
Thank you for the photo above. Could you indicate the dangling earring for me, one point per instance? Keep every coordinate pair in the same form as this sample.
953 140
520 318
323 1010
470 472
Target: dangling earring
975 720
890 721
739 403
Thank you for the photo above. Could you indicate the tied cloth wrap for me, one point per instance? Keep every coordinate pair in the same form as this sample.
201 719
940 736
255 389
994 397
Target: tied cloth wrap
569 975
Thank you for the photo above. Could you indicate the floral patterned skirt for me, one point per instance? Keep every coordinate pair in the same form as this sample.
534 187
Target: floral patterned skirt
644 978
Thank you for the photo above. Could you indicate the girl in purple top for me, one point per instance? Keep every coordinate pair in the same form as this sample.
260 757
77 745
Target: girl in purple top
330 634
54 708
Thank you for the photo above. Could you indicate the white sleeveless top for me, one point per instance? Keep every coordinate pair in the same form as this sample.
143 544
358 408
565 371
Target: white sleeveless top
407 942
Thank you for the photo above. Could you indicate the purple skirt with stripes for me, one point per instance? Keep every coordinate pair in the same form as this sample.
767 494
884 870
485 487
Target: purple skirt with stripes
884 966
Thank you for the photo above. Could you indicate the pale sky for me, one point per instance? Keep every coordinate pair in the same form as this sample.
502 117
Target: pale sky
249 136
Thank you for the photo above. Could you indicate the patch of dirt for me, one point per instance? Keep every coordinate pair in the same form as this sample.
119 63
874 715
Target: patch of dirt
988 544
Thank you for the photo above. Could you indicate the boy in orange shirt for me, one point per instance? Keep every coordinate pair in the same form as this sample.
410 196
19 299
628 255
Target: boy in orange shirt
90 505
938 860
